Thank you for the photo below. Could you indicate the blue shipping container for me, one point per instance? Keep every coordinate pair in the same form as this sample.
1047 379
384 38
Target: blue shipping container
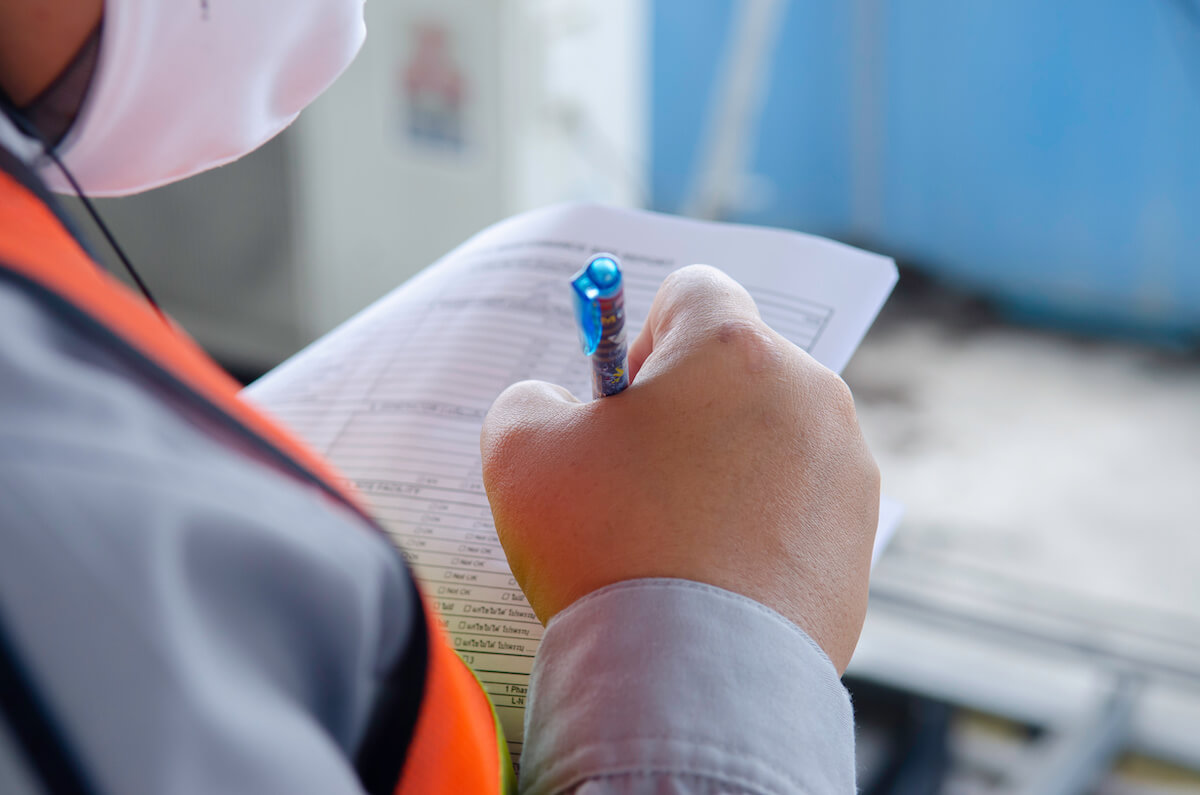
1045 154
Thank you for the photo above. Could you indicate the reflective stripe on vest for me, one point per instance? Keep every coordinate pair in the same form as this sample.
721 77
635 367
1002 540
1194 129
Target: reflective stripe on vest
457 745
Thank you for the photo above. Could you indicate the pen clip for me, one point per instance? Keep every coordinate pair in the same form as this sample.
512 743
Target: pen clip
587 311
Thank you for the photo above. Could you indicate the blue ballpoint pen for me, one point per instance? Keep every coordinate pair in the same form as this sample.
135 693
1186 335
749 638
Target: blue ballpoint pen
600 309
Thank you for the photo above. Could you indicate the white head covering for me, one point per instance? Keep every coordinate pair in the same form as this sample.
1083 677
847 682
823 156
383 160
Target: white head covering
182 86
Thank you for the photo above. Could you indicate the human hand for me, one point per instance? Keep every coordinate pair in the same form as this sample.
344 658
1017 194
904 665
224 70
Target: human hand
733 459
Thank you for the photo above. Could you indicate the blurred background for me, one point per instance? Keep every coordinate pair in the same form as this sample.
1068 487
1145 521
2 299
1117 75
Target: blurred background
1032 390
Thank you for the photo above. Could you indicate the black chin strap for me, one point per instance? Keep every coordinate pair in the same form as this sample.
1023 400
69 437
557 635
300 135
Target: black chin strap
28 128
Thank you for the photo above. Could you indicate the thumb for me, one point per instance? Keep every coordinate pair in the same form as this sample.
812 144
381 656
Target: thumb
517 423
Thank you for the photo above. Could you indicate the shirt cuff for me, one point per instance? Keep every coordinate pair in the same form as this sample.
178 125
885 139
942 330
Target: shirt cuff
663 677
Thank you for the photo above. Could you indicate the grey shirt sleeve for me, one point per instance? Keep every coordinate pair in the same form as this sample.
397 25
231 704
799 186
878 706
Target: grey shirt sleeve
674 687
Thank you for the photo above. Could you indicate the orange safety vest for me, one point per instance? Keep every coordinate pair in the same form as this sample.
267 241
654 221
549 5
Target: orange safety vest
457 745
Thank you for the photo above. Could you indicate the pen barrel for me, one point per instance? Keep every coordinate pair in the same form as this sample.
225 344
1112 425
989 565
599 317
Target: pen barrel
610 362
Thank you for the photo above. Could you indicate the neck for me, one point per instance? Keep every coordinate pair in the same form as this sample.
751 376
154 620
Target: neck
38 39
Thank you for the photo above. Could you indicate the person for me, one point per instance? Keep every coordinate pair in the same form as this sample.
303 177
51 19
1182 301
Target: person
190 602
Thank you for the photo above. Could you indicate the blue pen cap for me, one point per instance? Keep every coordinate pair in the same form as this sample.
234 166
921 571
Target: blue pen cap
600 278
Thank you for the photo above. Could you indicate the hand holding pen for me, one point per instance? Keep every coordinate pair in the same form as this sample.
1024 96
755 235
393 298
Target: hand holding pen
733 459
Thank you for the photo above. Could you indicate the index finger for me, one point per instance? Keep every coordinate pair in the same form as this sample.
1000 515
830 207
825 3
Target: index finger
690 303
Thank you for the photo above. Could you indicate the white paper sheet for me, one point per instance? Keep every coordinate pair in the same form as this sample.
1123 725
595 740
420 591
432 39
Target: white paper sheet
395 397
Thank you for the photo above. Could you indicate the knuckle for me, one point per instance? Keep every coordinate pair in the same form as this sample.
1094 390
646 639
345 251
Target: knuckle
841 395
740 332
694 299
695 283
750 343
835 392
871 472
694 275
